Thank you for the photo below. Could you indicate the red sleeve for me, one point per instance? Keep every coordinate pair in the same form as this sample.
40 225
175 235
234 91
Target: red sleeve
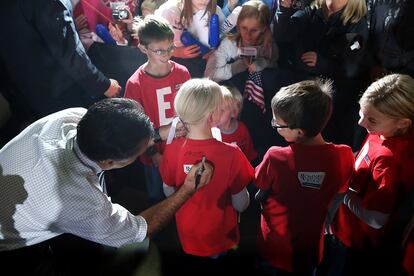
165 167
348 167
132 89
384 186
244 172
264 173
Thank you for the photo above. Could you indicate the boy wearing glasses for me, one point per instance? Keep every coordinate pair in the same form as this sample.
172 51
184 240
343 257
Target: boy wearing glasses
154 85
297 183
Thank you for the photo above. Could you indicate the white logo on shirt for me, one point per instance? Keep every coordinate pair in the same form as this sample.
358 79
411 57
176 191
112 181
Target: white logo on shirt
361 155
187 168
163 105
311 179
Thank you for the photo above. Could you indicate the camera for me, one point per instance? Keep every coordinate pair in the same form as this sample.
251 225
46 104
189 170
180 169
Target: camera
120 14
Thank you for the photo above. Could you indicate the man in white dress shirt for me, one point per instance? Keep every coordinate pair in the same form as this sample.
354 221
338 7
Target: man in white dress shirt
50 182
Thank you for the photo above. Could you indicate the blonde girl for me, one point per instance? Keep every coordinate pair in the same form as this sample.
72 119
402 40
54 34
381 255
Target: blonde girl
198 104
384 170
253 31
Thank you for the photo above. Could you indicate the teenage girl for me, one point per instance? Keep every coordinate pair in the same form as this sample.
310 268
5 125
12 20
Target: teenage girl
192 16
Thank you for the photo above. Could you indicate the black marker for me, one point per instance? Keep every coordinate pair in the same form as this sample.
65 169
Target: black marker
200 172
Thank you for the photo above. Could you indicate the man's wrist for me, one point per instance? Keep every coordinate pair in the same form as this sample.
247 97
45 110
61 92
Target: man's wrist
151 151
157 138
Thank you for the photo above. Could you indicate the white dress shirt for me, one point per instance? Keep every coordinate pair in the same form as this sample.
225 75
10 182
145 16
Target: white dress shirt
48 187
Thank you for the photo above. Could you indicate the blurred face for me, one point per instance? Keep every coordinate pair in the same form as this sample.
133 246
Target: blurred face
199 4
216 117
250 31
378 123
159 52
226 114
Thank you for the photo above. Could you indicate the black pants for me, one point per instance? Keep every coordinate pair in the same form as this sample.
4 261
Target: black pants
71 255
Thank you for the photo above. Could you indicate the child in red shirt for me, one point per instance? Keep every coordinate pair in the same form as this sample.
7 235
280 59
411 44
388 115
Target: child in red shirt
384 174
154 85
297 183
207 223
232 130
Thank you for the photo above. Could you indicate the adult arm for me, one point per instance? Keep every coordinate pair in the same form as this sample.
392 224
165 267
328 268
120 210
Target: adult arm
160 214
218 67
56 29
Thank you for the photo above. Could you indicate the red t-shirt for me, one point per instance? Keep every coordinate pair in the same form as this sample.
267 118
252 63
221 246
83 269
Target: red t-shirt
207 222
241 137
302 180
383 168
157 95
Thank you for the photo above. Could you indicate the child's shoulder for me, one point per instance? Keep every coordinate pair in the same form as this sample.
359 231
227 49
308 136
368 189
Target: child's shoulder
277 152
139 73
179 68
340 147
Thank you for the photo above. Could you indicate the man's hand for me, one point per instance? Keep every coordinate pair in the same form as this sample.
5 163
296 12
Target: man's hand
189 181
113 90
190 51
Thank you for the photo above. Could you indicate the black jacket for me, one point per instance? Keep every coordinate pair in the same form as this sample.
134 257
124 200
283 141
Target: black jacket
307 30
44 68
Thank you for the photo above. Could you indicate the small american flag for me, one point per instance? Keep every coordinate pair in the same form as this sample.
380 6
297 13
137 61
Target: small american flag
253 90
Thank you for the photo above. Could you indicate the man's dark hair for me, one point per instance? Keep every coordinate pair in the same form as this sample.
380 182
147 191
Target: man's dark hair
306 105
113 129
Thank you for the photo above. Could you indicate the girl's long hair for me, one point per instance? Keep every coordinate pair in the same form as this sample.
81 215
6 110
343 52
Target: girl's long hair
258 10
353 12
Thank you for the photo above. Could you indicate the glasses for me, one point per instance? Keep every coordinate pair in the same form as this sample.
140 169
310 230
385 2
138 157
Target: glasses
276 126
160 52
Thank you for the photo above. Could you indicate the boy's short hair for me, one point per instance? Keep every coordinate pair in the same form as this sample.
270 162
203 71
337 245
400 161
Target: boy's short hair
306 105
153 29
196 99
234 98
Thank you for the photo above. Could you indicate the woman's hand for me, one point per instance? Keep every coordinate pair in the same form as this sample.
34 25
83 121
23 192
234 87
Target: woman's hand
286 3
190 51
81 23
117 34
309 58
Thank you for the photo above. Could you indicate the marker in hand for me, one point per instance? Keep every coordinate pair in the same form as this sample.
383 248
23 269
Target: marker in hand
200 172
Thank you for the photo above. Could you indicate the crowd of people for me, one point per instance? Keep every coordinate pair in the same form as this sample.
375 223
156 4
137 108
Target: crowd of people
307 104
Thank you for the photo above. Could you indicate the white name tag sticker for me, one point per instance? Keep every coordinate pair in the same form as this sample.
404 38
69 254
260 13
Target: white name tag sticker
187 168
312 180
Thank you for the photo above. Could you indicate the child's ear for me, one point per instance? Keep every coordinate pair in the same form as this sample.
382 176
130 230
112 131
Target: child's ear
213 119
404 123
300 132
142 48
